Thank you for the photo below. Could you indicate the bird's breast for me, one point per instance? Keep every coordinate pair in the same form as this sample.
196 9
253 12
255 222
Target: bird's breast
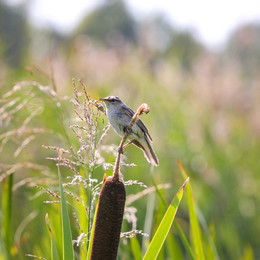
120 122
117 122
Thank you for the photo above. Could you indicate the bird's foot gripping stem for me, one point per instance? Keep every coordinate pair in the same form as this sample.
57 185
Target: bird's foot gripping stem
127 130
121 150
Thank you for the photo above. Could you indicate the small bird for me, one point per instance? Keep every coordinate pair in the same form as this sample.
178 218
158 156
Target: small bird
120 116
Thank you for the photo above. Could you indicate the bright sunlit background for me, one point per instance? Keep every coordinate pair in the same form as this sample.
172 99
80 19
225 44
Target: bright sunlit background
195 63
211 21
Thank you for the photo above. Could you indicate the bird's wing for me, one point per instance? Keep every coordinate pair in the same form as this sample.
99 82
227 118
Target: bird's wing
129 112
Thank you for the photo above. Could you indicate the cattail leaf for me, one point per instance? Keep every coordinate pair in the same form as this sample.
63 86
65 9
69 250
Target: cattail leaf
164 227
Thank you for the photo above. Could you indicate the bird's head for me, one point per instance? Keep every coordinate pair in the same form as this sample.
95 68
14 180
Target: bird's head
111 100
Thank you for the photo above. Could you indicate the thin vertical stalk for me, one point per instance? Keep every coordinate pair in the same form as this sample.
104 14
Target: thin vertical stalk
7 214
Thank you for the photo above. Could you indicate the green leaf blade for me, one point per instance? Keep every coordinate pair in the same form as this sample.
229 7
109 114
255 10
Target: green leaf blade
54 250
195 228
136 249
68 253
164 227
6 231
92 235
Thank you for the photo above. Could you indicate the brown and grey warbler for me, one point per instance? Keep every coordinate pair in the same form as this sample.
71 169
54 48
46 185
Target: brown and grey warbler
120 116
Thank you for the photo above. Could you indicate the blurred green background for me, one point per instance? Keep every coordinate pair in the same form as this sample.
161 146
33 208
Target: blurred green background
204 111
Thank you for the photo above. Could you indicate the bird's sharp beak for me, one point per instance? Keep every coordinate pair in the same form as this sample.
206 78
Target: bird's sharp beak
103 99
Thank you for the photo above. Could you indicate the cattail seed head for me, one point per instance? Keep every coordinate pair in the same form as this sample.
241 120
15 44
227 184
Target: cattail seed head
109 219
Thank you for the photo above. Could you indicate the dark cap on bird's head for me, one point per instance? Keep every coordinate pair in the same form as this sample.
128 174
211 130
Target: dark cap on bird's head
111 99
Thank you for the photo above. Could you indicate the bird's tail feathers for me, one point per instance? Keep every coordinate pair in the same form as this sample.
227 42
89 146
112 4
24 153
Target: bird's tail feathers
148 151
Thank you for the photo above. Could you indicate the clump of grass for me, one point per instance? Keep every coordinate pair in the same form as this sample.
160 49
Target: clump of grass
17 112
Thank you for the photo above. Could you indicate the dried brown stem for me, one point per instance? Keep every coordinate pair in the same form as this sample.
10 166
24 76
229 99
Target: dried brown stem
144 108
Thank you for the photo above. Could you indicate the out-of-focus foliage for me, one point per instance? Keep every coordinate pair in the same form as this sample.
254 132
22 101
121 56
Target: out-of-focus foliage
244 48
110 24
14 37
156 33
184 49
208 118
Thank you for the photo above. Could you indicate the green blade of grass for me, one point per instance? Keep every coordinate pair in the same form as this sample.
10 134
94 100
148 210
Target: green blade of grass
83 219
176 225
211 247
173 248
7 215
92 235
136 249
195 229
68 253
184 241
54 251
165 225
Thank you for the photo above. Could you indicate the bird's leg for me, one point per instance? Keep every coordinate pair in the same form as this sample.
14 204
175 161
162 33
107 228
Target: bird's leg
127 144
128 131
122 149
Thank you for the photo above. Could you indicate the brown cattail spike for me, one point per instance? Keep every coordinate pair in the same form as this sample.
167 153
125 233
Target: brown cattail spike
109 220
